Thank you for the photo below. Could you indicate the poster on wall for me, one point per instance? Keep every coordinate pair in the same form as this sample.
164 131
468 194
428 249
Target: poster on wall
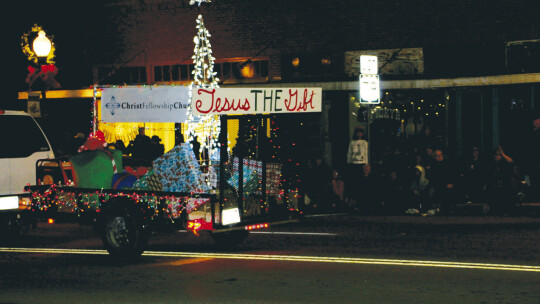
145 104
405 61
220 101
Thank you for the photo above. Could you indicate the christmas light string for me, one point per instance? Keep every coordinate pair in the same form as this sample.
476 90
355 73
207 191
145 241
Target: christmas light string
62 199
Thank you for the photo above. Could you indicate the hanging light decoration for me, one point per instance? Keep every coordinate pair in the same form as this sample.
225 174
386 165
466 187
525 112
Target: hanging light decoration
205 127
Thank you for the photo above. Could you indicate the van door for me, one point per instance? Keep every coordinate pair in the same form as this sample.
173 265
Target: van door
23 144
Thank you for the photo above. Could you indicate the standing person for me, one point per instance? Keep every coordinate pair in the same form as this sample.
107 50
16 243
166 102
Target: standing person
417 190
357 153
499 188
357 157
158 147
338 199
196 145
534 160
474 176
120 146
141 149
425 139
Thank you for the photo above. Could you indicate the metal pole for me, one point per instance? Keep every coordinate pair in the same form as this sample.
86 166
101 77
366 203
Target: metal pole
94 120
369 133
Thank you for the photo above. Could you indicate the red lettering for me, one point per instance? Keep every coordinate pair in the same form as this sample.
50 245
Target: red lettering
306 101
246 106
231 105
199 103
218 104
288 102
302 105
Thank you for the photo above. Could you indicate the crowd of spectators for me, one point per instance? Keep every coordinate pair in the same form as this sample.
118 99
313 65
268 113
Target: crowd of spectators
422 179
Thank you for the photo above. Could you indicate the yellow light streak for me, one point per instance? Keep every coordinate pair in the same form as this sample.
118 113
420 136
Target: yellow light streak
290 258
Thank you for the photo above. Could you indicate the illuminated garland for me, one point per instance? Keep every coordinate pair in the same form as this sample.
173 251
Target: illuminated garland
27 49
169 206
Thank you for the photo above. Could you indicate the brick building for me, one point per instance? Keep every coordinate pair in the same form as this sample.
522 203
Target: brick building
468 68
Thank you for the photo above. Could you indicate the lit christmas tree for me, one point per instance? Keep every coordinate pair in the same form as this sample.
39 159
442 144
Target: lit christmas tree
191 2
205 127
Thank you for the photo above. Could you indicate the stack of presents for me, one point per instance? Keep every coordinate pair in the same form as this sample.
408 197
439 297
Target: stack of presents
96 166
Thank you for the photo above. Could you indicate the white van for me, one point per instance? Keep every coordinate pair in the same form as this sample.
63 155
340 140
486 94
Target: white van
22 143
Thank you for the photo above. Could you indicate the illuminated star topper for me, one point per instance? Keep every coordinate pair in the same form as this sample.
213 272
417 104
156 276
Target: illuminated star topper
192 2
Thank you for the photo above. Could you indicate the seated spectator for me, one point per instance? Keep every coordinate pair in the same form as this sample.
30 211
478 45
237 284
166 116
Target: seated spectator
338 199
442 177
317 185
365 195
394 196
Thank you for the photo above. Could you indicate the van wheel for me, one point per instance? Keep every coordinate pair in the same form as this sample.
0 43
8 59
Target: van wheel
123 236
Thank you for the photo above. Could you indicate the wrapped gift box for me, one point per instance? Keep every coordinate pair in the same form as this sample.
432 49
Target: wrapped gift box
179 171
149 181
95 168
273 179
252 175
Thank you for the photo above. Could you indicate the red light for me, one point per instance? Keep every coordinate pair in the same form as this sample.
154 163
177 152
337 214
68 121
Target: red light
2 112
50 221
257 226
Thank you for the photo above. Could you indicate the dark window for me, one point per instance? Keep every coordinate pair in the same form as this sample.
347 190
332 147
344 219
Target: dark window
184 73
263 68
24 139
158 73
175 72
226 73
166 73
191 69
217 69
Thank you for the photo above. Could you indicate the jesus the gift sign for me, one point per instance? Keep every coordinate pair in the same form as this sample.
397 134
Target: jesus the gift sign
219 101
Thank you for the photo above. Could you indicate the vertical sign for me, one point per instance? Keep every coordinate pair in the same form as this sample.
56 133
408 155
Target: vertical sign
33 107
369 80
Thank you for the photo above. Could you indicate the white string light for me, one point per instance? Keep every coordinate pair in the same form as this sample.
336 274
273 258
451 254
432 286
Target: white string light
205 127
192 2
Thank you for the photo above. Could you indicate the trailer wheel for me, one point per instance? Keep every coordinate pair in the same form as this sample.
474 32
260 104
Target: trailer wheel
123 236
230 239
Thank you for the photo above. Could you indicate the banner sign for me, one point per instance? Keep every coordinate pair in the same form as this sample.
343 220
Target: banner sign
145 104
220 101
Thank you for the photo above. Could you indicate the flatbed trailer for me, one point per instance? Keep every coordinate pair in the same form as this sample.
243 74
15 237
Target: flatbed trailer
125 218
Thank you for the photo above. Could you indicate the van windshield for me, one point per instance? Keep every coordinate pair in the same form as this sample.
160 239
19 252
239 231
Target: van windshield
20 137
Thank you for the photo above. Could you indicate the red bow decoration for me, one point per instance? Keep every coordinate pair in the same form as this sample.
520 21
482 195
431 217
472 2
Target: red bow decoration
96 141
46 73
49 68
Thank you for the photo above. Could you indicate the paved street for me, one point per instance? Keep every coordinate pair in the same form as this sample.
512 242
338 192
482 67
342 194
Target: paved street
323 259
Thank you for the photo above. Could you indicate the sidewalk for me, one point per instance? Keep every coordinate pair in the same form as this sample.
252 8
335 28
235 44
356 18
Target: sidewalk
430 220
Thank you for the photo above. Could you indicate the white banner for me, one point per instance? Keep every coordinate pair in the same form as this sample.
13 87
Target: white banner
219 101
145 104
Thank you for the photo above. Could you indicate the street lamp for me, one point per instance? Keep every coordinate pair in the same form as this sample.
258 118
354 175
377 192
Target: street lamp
40 53
42 45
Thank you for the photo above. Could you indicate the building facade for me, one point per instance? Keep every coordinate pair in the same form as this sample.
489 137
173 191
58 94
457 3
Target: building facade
468 69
